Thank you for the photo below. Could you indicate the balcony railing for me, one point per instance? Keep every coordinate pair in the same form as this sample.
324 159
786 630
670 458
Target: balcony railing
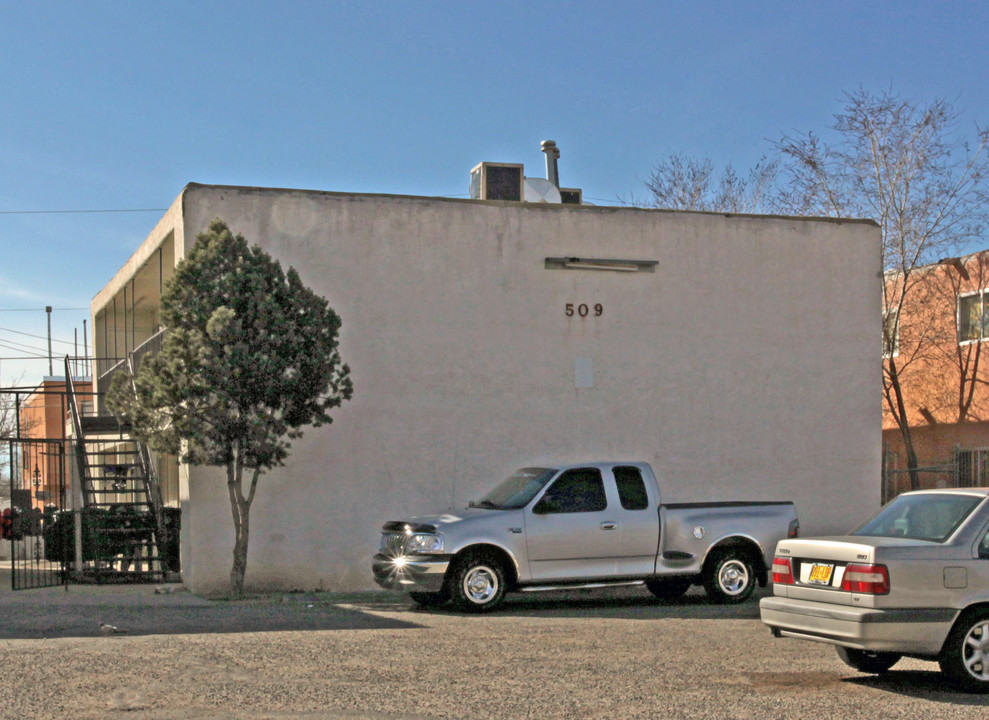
107 368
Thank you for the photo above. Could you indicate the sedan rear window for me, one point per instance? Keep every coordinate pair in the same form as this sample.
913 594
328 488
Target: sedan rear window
920 517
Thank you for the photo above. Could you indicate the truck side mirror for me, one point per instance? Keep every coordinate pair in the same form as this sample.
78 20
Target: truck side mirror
546 506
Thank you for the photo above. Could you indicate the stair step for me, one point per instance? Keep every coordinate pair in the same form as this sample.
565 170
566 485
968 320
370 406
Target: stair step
142 506
99 423
121 531
126 491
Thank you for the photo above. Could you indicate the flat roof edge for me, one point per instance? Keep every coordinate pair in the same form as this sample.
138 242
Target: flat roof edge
509 203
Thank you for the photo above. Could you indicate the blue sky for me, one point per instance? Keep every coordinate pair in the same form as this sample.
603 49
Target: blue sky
109 106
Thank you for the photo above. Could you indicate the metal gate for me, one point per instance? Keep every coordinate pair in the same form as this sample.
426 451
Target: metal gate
38 524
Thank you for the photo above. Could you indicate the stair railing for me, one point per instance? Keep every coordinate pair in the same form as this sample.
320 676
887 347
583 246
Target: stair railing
82 465
150 472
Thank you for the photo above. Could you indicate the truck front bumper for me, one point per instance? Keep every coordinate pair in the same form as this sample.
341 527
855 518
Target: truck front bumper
907 631
411 573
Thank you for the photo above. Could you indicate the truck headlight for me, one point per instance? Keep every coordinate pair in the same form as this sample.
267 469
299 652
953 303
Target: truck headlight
423 543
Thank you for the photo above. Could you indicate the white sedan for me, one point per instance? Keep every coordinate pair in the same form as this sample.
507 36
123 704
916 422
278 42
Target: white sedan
912 581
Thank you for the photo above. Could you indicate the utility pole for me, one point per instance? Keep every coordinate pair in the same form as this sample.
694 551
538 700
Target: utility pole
48 309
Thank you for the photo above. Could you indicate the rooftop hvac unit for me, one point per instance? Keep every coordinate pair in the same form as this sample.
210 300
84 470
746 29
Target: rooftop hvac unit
571 196
497 181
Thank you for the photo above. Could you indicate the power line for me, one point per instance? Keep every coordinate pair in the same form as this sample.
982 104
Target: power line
20 347
40 309
38 337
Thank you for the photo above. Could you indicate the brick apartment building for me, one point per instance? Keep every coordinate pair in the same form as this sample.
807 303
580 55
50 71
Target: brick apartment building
936 344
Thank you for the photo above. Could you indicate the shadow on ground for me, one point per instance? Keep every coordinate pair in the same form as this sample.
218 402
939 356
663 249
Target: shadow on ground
83 620
139 610
622 603
919 684
79 610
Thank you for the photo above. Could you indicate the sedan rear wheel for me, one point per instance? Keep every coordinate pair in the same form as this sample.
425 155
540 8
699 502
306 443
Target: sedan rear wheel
965 658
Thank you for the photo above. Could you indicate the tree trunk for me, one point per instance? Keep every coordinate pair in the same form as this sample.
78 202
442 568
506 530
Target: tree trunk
242 526
239 567
898 407
240 507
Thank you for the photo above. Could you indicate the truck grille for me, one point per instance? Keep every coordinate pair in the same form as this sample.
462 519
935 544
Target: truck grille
392 543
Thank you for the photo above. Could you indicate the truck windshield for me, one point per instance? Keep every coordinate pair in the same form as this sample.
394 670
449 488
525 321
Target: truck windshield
931 517
517 490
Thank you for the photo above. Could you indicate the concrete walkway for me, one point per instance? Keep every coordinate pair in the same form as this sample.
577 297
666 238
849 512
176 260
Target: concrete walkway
78 610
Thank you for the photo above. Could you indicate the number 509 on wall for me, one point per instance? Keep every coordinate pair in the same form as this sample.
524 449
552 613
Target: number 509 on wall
583 310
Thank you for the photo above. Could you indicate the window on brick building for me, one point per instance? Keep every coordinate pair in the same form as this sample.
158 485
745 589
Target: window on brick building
891 334
973 316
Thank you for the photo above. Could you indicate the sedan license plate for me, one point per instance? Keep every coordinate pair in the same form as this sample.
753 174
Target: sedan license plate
821 574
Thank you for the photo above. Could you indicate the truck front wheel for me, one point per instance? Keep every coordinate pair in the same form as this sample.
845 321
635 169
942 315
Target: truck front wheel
478 583
730 577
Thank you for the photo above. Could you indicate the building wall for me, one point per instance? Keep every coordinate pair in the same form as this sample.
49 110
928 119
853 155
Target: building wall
936 447
941 372
744 367
936 366
44 416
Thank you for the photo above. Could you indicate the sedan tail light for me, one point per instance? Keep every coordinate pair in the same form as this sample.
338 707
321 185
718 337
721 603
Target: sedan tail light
870 579
782 571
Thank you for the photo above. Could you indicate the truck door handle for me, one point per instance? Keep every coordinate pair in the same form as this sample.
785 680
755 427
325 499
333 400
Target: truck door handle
608 525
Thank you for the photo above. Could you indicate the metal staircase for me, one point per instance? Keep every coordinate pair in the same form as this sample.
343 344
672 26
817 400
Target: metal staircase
124 529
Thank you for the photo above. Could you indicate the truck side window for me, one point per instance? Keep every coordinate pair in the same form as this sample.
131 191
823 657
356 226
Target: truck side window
631 488
580 490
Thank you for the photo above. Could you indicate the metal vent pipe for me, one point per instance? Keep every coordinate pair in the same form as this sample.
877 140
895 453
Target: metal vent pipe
552 155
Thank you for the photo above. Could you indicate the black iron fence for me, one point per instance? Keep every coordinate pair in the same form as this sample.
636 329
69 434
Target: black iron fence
38 496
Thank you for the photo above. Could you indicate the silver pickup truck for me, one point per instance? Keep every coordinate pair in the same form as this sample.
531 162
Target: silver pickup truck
550 528
913 580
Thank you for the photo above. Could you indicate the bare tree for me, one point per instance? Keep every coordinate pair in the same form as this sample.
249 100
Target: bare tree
900 162
678 182
8 429
951 381
904 164
8 416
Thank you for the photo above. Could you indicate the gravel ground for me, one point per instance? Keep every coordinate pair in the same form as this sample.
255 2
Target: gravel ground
601 654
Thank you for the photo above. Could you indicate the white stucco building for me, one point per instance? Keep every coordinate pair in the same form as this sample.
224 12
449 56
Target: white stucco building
737 354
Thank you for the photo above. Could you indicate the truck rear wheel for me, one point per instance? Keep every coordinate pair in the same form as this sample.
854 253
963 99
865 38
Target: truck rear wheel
730 576
478 583
965 658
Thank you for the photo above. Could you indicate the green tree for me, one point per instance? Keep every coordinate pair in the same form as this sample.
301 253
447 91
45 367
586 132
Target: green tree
250 356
